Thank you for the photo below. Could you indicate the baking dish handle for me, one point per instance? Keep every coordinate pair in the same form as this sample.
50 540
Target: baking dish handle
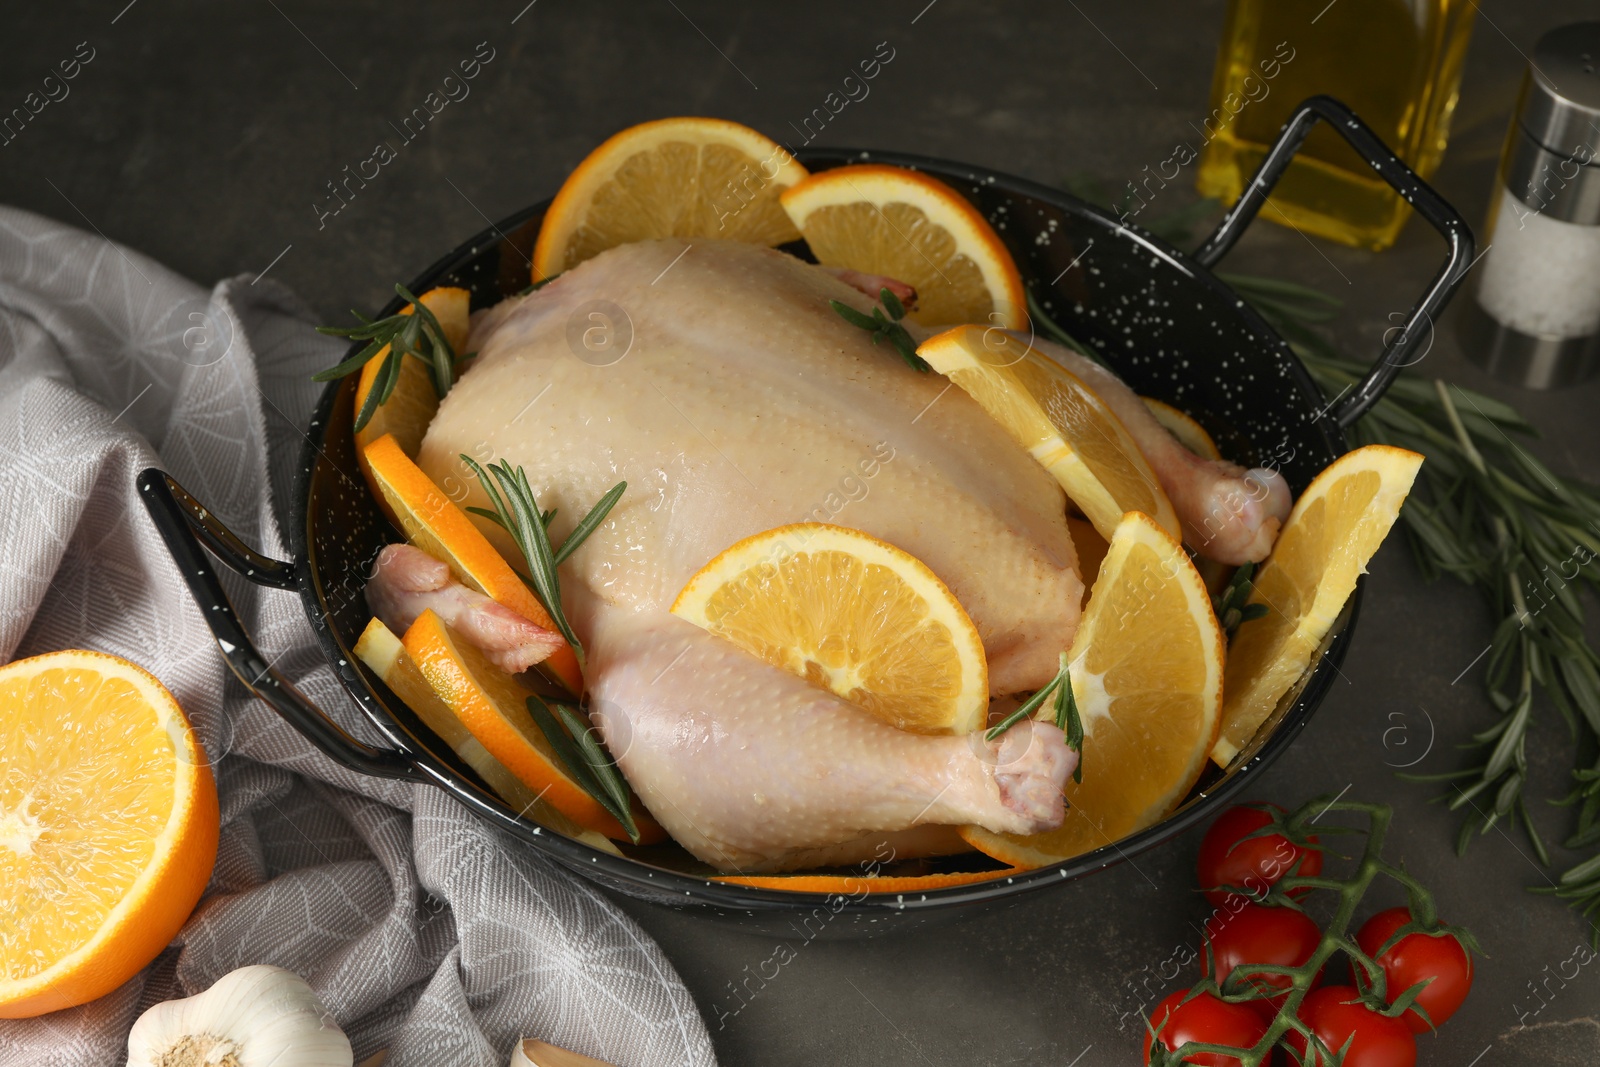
185 525
1444 218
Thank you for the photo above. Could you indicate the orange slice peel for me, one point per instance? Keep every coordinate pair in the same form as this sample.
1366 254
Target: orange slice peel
859 884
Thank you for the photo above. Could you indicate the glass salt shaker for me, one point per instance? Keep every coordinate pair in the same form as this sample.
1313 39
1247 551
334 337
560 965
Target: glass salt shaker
1535 316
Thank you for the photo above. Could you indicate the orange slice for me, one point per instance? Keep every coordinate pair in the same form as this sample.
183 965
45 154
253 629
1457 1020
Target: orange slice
414 402
492 705
852 614
856 884
1190 434
682 177
908 226
108 827
383 652
1146 669
433 523
1062 423
1335 527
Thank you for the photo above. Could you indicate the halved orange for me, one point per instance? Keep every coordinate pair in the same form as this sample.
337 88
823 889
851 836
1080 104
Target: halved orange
433 523
1335 527
108 827
1062 423
908 226
492 705
680 177
1146 668
383 652
415 401
851 614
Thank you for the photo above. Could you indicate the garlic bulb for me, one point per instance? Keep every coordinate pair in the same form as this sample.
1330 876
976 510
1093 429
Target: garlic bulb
532 1052
253 1017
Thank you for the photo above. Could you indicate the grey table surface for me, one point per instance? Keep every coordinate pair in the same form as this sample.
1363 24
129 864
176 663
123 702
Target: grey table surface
204 135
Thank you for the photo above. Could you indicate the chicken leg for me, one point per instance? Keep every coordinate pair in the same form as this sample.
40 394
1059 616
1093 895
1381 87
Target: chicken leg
752 768
1229 514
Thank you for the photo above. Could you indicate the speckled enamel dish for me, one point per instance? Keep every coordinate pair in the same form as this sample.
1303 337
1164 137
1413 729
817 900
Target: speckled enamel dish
1158 316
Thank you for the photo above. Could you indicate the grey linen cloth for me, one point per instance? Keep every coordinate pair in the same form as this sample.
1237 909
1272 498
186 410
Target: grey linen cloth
424 931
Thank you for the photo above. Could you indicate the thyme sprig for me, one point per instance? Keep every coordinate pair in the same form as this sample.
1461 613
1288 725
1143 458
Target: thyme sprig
1249 982
882 328
516 510
586 759
1065 708
417 335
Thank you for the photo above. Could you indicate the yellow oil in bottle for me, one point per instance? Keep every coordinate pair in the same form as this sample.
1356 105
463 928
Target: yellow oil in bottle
1396 63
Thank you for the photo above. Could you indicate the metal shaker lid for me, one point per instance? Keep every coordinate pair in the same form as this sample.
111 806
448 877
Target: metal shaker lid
1560 106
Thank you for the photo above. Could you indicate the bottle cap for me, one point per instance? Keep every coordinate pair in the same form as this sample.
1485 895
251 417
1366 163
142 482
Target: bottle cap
1560 107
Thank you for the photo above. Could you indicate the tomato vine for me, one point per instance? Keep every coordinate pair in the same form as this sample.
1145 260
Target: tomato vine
1251 982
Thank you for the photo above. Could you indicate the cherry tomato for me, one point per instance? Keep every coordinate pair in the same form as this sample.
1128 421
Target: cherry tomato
1378 1041
1418 958
1257 934
1205 1018
1255 864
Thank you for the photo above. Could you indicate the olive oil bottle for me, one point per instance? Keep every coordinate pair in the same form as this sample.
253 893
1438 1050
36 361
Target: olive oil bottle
1397 63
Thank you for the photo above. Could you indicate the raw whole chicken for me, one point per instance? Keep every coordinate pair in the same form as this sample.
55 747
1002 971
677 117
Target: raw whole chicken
717 381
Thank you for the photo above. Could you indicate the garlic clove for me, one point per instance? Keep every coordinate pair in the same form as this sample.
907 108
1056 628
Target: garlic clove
531 1052
256 1016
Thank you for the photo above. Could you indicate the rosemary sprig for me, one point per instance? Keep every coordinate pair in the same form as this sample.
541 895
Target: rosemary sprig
587 762
1247 981
1067 719
1233 606
517 512
1029 706
418 335
885 328
1065 707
